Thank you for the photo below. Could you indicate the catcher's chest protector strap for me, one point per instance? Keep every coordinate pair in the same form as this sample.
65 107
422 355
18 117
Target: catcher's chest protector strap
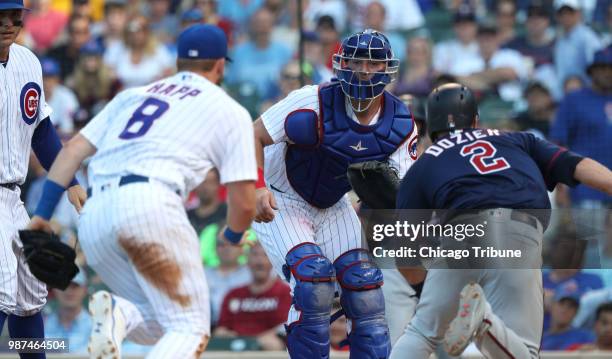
318 174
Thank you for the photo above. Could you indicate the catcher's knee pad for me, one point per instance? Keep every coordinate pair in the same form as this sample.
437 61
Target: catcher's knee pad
363 303
313 295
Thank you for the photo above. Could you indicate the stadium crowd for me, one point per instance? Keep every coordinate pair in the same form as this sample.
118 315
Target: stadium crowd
529 62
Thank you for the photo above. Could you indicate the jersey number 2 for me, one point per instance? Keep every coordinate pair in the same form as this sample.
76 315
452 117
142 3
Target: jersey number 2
480 151
143 117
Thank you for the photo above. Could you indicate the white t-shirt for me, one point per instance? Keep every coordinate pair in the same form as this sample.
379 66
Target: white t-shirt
149 69
174 130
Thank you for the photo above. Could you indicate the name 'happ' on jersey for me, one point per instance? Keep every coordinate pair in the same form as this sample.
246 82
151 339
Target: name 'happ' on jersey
169 89
458 138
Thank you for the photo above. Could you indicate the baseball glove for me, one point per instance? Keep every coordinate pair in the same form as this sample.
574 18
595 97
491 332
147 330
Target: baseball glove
50 260
375 182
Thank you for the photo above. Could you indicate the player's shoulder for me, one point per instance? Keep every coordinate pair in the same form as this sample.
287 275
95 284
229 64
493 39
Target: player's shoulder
305 92
23 54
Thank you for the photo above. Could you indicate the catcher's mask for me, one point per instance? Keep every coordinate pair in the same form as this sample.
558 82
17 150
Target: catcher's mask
364 65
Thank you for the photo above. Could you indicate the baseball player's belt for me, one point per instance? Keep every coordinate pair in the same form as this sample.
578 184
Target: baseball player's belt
515 215
126 180
10 186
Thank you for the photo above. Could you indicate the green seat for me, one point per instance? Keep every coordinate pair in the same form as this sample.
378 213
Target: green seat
494 110
246 94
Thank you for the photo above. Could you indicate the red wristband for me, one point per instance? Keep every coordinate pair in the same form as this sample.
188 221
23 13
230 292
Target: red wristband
260 183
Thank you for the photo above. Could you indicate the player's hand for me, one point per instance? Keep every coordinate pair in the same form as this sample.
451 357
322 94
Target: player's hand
39 224
77 196
266 205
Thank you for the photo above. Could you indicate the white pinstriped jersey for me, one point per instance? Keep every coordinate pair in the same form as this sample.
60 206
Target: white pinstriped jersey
174 130
23 107
307 98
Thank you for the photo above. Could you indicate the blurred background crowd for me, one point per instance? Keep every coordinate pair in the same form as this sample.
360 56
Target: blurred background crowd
531 64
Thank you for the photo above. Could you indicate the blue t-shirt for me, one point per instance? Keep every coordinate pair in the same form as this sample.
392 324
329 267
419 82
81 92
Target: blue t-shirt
261 67
584 124
567 339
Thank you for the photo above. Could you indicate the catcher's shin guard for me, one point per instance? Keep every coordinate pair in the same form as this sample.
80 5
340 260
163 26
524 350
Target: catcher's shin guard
364 305
308 338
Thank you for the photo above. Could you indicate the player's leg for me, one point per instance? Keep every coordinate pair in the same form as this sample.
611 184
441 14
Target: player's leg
436 309
509 293
339 234
162 246
8 264
125 312
400 302
289 243
27 320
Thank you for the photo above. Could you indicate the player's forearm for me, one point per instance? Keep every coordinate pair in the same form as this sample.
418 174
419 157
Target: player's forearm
262 139
594 175
241 205
69 160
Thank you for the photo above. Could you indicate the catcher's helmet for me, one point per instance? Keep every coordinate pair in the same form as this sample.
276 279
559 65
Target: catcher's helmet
450 107
359 83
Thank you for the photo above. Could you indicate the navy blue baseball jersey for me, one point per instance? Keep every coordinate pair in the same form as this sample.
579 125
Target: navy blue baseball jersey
487 168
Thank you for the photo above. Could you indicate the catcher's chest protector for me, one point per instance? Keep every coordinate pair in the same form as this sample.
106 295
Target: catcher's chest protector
318 173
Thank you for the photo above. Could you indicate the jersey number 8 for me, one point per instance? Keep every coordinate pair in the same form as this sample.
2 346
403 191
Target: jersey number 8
143 117
480 151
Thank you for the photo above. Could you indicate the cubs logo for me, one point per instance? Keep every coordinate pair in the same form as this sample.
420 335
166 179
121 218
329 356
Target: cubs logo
29 101
412 147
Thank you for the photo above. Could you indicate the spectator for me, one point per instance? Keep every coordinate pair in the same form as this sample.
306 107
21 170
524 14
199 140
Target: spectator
290 80
336 9
561 335
115 21
583 124
375 18
603 329
61 99
568 280
538 42
67 54
192 17
70 321
459 56
257 309
576 42
239 11
163 26
572 83
313 54
417 76
403 15
141 59
229 274
82 8
91 70
260 52
589 302
210 209
500 71
211 16
329 38
540 110
44 25
505 14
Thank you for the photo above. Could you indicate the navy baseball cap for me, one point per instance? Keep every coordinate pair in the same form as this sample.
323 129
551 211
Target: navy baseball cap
50 67
12 5
601 58
202 41
92 48
192 15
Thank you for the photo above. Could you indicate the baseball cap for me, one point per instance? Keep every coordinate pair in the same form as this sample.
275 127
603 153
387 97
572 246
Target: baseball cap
12 5
572 4
92 48
50 67
192 15
202 41
567 293
464 14
602 57
487 28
